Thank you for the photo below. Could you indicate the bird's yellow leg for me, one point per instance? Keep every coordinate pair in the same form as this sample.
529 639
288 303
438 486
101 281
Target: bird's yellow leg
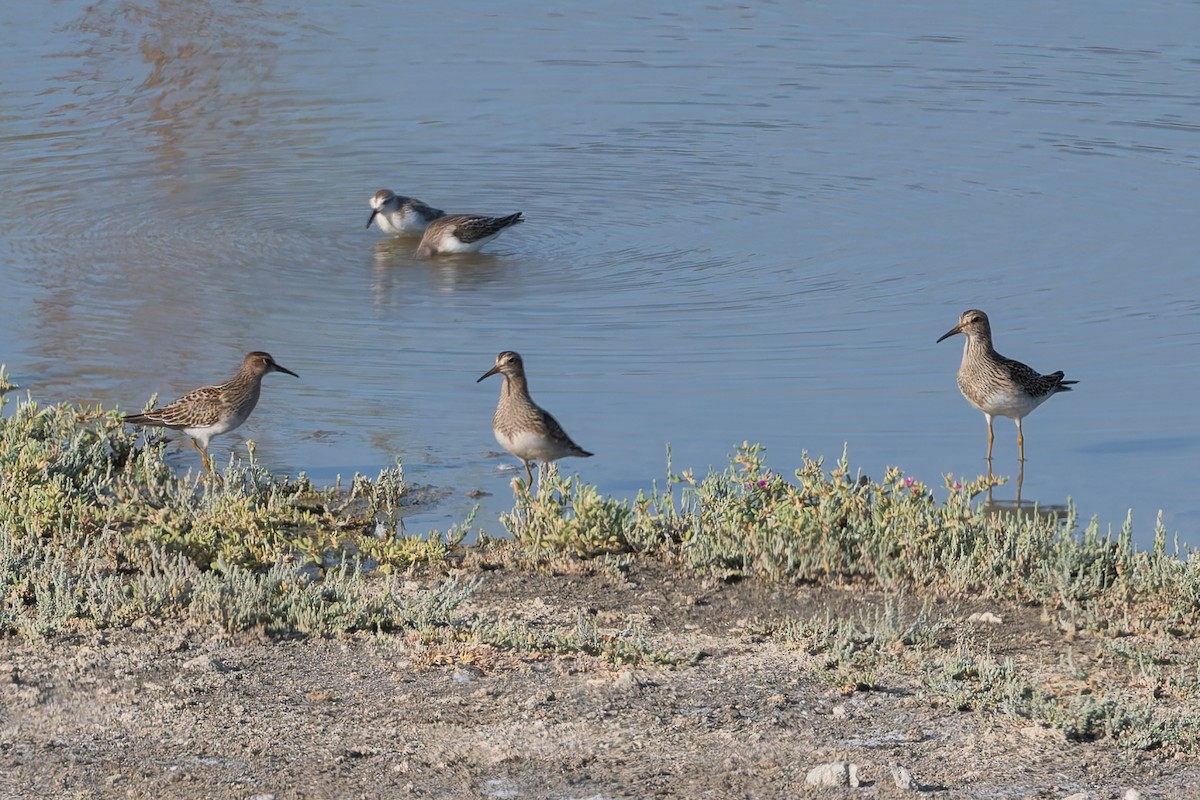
1020 441
206 462
203 456
991 439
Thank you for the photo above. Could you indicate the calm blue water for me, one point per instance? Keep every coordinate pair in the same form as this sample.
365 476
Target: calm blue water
744 223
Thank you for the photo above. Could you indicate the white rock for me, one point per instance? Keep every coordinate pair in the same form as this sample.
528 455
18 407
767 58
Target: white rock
1079 796
1038 733
903 778
1131 794
836 773
985 616
206 663
627 681
500 789
464 675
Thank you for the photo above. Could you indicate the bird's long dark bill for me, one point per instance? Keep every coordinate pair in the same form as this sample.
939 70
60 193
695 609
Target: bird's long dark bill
949 333
285 369
488 374
374 211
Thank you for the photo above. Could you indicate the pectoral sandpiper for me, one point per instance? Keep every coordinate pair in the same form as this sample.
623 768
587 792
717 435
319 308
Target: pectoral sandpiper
213 410
463 233
521 426
996 385
399 215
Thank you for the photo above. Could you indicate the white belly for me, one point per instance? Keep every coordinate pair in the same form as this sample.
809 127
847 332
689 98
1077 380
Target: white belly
385 225
204 433
451 244
1011 404
531 447
401 224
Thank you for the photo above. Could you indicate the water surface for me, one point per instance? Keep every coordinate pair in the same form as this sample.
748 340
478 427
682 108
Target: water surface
744 223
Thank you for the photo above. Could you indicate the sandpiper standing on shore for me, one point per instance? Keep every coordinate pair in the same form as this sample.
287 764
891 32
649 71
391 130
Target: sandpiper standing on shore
996 385
212 410
521 426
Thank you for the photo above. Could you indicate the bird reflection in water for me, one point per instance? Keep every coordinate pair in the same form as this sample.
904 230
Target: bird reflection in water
1022 508
399 274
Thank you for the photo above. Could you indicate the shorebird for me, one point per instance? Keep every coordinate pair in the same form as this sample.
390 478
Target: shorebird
996 385
213 410
463 233
521 426
399 215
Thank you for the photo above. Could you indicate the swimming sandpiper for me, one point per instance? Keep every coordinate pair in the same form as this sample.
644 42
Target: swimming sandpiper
996 385
463 233
399 215
521 426
213 410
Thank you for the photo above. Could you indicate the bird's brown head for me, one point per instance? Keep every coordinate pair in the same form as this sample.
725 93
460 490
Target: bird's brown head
260 363
507 363
972 322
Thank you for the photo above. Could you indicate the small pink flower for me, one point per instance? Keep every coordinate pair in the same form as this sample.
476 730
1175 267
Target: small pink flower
908 482
957 485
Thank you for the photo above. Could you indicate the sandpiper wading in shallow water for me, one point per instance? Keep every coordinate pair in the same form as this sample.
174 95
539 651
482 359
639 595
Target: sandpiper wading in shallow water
996 385
463 233
401 216
521 426
213 410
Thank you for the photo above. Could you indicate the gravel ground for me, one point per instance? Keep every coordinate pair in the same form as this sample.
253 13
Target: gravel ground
162 710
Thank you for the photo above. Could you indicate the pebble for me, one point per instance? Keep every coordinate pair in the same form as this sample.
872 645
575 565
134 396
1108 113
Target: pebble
466 673
627 682
206 663
1037 732
500 789
903 779
836 773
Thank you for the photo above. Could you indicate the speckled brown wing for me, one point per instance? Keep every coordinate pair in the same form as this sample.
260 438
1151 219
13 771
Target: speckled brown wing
1033 382
468 229
196 408
557 433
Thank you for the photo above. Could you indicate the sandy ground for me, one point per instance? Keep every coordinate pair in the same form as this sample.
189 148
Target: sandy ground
163 711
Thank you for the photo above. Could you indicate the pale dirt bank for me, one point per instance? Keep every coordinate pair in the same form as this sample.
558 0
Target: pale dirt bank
169 712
